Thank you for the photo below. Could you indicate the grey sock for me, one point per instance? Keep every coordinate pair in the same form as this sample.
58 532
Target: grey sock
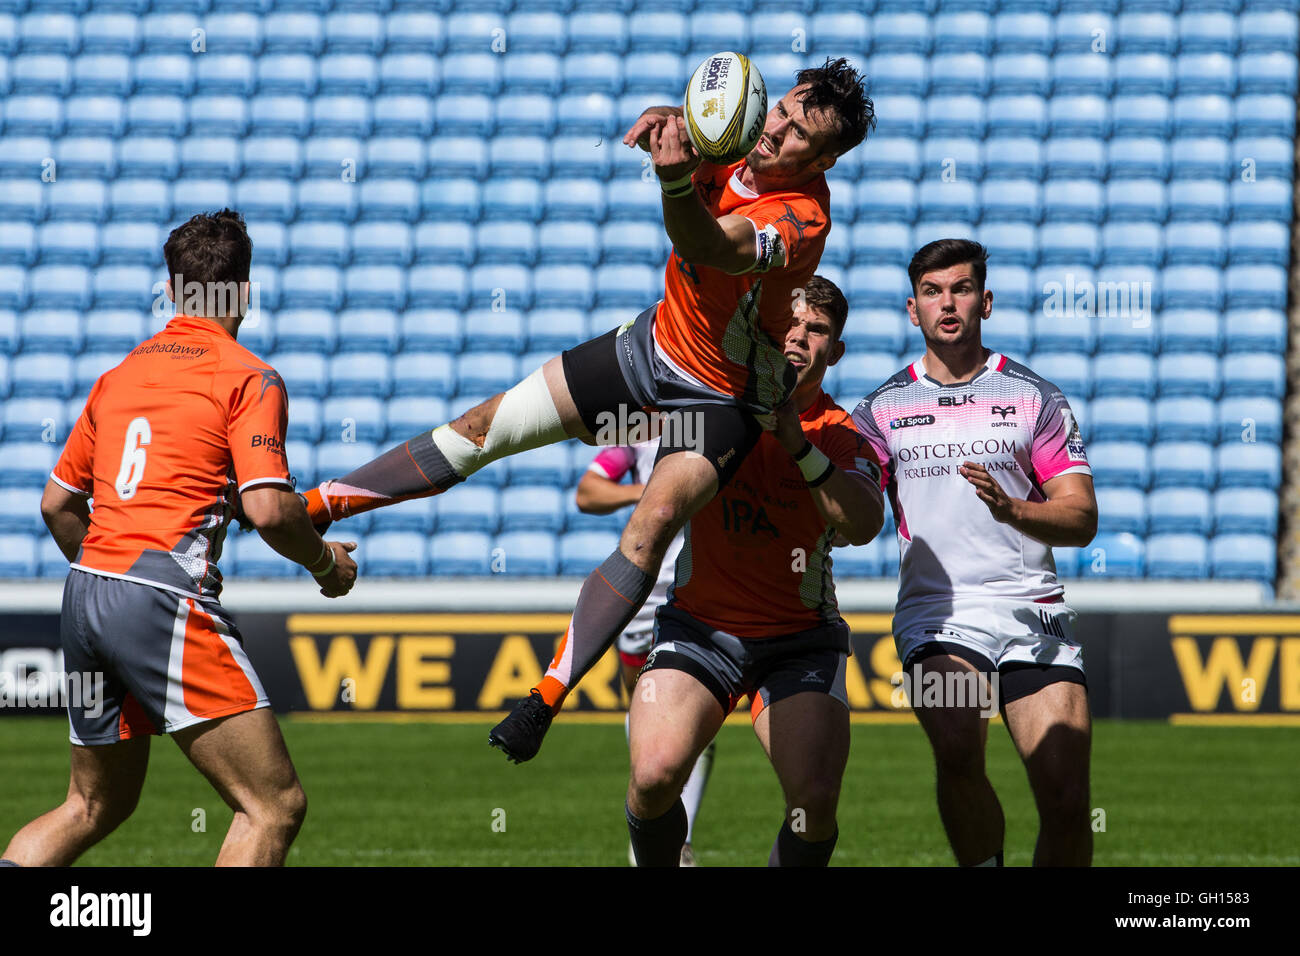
609 599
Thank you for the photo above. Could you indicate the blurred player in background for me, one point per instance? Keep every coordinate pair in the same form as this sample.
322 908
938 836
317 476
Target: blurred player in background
744 236
168 438
986 472
602 492
752 612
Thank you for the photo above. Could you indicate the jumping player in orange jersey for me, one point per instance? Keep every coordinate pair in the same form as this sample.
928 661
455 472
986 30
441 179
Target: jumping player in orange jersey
752 612
168 438
746 238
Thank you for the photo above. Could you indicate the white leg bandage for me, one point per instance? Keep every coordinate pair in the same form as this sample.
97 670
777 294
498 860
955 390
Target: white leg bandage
526 418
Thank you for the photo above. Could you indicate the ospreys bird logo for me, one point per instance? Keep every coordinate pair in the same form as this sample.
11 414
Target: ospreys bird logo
799 225
270 379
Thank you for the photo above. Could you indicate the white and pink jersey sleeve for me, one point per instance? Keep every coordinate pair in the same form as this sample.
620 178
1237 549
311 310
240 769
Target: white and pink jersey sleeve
1018 426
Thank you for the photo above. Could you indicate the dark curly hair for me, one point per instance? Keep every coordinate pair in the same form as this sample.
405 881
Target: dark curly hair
210 248
945 253
836 86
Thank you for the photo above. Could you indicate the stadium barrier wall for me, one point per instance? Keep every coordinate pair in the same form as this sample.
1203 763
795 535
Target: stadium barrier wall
1212 668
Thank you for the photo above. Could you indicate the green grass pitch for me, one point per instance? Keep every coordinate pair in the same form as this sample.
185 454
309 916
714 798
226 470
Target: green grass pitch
435 794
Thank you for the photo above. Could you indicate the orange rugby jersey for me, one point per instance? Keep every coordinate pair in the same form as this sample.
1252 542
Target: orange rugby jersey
726 330
739 570
164 439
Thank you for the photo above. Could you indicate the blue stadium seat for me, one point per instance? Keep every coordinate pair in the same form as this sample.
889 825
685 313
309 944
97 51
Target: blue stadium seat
14 284
1249 465
524 114
49 330
648 32
351 116
1120 464
374 287
1259 243
366 374
1273 72
1136 200
1244 556
1195 244
1054 334
1261 330
368 330
402 554
956 115
461 553
1011 200
1205 74
864 372
527 156
1264 115
306 330
126 287
1007 331
446 284
381 242
487 372
948 200
1179 510
1120 419
525 553
458 156
419 515
194 195
1144 114
60 287
336 458
1075 157
210 156
1113 556
1190 287
1130 242
39 419
1139 74
863 561
1245 511
1185 419
557 286
1182 464
1121 510
472 73
439 330
1020 73
549 465
1207 31
18 556
500 285
251 557
444 241
543 32
1267 199
1255 287
618 241
354 418
554 329
1013 157
293 32
1264 31
1254 374
583 551
20 511
318 243
305 423
418 374
412 73
327 200
301 456
348 74
303 373
272 156
512 198
287 74
951 158
1067 562
532 508
1177 556
1195 330
279 114
1022 32
630 286
494 330
416 31
1072 200
62 243
1014 286
90 157
451 199
899 73
1068 243
899 115
1191 373
600 73
879 243
474 508
1137 157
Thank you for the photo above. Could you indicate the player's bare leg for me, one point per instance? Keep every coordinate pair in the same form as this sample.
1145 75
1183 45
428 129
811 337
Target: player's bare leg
538 411
1052 730
245 759
103 790
673 717
970 811
806 737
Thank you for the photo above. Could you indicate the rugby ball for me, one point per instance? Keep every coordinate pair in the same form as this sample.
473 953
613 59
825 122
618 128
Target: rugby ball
725 107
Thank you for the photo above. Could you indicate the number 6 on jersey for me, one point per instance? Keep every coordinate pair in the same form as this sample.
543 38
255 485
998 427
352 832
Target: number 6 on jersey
129 476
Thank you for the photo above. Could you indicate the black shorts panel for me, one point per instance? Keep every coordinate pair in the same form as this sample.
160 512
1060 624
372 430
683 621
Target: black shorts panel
595 379
724 434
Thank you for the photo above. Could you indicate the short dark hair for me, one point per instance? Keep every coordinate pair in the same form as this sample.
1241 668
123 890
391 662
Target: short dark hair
824 295
836 86
944 253
213 250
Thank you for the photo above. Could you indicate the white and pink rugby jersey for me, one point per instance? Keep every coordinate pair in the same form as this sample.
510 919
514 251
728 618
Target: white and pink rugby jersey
613 463
1006 418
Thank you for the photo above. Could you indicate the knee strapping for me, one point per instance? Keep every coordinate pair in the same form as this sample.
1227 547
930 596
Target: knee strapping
526 418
